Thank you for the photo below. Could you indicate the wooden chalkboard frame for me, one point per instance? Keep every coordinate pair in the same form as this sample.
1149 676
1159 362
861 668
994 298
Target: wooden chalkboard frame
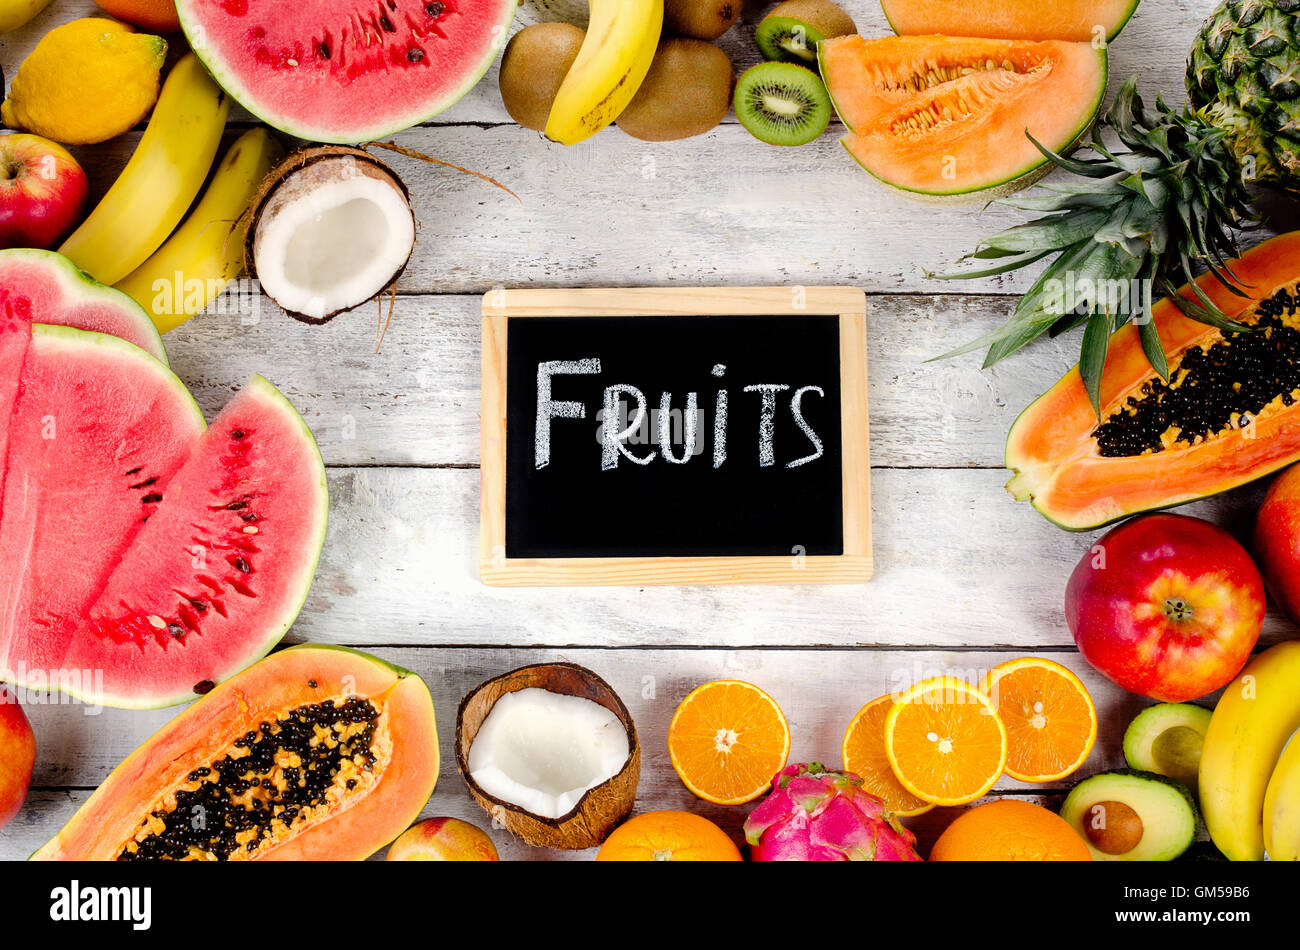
849 304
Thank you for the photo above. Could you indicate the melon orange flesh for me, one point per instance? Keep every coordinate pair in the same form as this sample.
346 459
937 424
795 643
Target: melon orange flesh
1056 458
1078 20
945 115
351 824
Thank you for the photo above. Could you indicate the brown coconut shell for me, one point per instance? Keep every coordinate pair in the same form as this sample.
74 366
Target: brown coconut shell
298 170
601 809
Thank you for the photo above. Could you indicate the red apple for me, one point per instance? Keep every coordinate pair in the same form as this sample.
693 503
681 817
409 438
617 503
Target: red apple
1277 541
1167 606
42 191
443 839
17 756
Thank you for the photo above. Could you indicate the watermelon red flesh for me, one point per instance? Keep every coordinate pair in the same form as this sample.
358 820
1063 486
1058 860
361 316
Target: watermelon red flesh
346 70
219 573
46 287
96 431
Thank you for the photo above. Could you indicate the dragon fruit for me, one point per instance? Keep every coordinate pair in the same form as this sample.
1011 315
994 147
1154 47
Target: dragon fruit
816 815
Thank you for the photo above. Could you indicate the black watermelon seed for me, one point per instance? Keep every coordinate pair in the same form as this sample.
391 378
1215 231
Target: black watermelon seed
237 434
387 24
415 54
151 498
251 516
206 686
434 9
324 50
199 605
176 630
236 505
242 566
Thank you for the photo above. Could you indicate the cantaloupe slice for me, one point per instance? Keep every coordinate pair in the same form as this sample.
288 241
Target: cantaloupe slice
1077 20
948 116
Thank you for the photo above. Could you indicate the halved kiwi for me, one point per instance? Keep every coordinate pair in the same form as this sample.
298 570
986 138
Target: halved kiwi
782 104
791 32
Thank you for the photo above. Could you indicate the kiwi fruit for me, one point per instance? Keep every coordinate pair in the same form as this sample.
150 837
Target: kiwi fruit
791 32
687 92
782 104
535 62
701 19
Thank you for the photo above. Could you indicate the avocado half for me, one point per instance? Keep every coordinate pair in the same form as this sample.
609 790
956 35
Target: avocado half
1131 815
1167 739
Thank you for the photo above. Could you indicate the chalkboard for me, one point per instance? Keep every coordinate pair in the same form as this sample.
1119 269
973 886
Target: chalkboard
673 436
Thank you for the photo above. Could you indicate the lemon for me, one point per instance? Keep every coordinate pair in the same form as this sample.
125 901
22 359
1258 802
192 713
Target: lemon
85 82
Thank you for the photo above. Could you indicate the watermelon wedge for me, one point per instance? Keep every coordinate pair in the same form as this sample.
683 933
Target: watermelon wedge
49 288
146 556
346 71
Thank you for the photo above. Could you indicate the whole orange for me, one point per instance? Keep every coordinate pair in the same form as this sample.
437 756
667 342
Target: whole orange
156 16
1009 830
669 836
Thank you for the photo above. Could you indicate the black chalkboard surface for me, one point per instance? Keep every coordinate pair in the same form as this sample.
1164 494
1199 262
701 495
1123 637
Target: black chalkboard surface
669 436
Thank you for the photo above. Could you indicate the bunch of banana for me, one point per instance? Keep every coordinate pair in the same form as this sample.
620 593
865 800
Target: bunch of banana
615 56
207 252
1250 787
160 180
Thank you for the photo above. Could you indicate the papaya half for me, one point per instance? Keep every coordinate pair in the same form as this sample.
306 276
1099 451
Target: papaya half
1228 414
315 753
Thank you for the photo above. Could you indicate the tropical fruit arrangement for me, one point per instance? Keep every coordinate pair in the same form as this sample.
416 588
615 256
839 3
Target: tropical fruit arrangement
170 555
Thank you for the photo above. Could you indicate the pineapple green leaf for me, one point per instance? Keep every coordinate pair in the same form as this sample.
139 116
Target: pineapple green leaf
1092 356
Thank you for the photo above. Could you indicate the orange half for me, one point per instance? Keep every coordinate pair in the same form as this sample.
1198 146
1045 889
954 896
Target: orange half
1049 715
863 754
945 741
727 740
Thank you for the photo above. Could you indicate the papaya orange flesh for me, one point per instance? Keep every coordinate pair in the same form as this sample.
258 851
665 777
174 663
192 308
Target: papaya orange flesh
947 115
1229 414
315 753
1077 20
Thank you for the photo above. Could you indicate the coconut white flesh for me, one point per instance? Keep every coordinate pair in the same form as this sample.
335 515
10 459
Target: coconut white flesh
542 751
334 246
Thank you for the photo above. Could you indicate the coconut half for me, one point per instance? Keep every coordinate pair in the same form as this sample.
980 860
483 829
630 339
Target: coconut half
551 753
331 228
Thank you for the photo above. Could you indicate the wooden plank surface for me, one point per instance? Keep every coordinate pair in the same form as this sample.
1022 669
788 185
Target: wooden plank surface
965 576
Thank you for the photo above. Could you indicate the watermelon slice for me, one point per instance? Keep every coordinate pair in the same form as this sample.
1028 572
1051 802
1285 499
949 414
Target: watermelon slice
46 286
146 559
346 71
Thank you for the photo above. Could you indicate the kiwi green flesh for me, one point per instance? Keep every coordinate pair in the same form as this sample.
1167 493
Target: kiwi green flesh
787 39
782 104
1164 807
1167 739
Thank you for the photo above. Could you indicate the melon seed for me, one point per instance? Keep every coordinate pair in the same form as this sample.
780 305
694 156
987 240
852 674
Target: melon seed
415 54
204 686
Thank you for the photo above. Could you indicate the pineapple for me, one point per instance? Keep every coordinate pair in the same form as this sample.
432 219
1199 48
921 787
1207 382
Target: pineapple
1166 202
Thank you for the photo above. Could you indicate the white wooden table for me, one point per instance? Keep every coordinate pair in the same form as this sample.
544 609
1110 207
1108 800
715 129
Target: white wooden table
965 576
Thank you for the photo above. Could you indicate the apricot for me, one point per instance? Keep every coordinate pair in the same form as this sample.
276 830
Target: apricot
17 756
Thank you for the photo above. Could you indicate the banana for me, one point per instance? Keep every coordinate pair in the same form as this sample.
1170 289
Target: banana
15 13
1258 713
615 56
207 252
160 180
1282 807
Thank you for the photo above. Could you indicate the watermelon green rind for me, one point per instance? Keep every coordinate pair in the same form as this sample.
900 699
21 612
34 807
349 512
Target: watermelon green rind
244 91
78 286
300 580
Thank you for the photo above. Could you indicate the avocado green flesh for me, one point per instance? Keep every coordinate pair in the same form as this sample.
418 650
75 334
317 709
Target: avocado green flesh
1167 739
1165 807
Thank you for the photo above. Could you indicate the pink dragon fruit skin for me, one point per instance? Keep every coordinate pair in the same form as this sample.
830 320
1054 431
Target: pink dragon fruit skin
816 815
